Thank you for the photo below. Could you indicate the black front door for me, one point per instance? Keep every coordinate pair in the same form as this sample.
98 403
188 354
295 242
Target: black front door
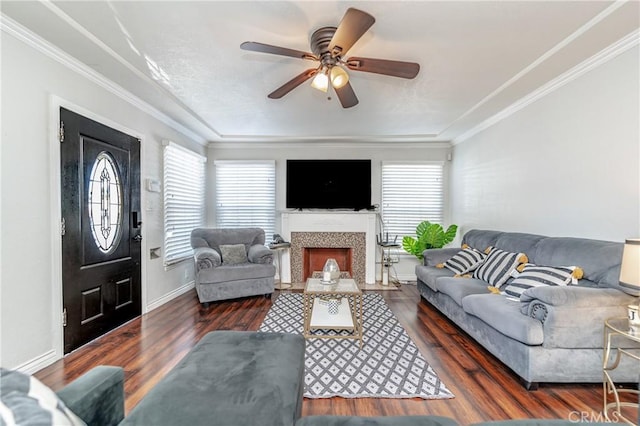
100 178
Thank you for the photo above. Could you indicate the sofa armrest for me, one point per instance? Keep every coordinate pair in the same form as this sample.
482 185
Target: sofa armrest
206 258
260 254
573 316
97 397
576 297
432 257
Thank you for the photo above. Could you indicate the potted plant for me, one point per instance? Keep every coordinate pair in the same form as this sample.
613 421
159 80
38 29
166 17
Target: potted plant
429 235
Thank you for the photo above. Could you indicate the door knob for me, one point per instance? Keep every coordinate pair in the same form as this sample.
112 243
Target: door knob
137 237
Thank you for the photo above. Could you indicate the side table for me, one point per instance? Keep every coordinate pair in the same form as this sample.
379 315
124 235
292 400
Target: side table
279 248
385 261
617 327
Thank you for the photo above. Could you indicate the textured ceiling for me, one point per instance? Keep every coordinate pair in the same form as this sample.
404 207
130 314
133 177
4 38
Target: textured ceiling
184 59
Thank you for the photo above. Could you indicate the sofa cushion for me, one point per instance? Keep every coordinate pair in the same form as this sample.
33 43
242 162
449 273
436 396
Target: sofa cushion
498 266
24 400
233 254
481 239
521 242
245 271
466 260
429 275
600 260
504 315
458 288
535 276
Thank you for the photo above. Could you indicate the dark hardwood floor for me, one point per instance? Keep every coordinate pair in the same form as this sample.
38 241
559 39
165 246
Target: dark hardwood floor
148 347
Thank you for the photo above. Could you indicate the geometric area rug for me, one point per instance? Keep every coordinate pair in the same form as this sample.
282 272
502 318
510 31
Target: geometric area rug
389 364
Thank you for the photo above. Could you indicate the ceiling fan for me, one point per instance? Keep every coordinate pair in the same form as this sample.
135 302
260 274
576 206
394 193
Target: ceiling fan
329 46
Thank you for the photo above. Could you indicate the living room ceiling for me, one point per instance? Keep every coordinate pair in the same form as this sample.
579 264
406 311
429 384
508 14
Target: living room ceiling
184 59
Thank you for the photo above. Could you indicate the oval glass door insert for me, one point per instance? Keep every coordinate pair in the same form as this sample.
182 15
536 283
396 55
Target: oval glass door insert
105 202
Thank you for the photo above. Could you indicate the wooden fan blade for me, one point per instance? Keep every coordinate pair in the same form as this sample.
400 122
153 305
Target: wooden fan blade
353 25
276 50
293 83
347 96
383 66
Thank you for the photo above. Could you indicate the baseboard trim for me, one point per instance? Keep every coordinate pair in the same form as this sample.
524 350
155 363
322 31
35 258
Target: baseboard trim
38 363
170 296
405 277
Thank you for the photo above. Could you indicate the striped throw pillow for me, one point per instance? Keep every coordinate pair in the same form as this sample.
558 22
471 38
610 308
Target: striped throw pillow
536 276
498 266
466 260
24 400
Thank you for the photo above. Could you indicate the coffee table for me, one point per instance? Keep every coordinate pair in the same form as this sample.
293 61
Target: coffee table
316 300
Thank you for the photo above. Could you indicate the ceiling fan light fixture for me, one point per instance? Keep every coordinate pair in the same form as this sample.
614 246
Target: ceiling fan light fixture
339 77
320 81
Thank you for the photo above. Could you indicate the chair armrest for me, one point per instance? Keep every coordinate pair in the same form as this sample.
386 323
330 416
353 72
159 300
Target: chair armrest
260 254
432 257
97 397
206 257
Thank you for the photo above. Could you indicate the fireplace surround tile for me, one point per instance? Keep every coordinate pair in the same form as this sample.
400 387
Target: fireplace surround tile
354 240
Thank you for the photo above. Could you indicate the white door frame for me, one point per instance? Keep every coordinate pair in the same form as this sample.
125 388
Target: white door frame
56 208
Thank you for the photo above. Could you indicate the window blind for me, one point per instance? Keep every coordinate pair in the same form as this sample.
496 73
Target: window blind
411 193
246 195
184 207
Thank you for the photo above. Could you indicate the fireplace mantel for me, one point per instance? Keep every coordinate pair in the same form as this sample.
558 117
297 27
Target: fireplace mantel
330 221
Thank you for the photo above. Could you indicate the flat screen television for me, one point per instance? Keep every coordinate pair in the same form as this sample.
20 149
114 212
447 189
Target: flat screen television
329 184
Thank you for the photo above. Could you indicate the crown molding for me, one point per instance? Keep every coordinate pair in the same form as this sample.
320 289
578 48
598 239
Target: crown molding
555 49
602 57
14 29
344 144
105 48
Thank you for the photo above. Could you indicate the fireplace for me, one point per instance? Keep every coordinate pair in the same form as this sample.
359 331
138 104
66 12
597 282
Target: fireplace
309 251
314 258
352 231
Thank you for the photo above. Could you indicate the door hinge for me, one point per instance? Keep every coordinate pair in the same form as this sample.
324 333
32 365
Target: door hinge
64 317
61 132
63 227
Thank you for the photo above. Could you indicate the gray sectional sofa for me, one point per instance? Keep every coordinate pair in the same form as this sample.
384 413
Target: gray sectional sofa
553 333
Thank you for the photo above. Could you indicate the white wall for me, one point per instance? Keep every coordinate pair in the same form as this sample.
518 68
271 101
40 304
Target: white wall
32 84
376 152
566 165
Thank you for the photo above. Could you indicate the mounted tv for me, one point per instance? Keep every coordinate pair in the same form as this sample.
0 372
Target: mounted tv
329 184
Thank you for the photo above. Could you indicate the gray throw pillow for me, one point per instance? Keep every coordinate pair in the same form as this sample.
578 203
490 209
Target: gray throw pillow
233 254
24 400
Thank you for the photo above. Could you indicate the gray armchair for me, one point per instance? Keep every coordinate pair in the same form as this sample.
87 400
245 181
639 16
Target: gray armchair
231 263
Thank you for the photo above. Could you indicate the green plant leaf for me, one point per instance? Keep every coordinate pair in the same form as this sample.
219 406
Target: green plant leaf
410 245
430 235
422 228
433 236
450 234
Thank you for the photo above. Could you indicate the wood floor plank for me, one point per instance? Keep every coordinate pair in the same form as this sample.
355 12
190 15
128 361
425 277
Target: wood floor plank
485 389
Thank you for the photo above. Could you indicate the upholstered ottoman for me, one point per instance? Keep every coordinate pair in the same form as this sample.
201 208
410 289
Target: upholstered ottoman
230 378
